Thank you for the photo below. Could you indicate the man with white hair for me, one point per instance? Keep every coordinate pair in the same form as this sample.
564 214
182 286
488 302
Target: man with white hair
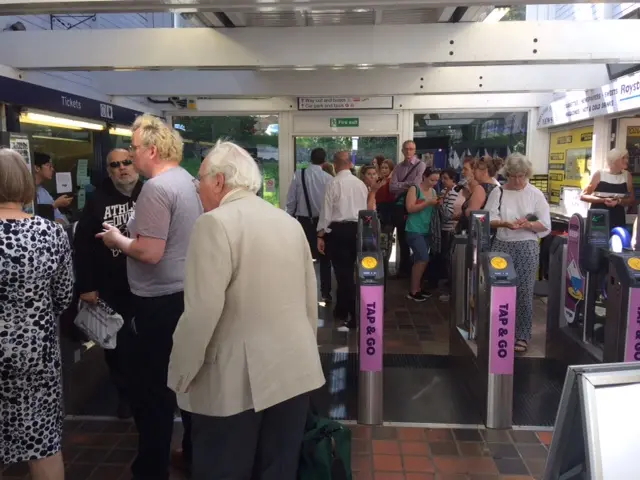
245 353
101 272
159 231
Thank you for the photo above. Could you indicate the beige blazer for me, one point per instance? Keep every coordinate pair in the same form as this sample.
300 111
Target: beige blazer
247 338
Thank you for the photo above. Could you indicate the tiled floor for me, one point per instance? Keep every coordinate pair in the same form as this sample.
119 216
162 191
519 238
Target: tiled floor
96 450
415 328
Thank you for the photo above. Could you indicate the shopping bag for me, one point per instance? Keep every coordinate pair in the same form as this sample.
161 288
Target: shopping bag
99 322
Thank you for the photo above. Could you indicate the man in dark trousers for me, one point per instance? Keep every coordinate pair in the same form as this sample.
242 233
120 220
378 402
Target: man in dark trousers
101 272
304 201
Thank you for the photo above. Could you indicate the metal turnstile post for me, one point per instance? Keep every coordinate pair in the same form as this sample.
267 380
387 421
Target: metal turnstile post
370 268
496 335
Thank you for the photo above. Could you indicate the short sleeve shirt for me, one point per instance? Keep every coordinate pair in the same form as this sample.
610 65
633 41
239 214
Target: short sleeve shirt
167 209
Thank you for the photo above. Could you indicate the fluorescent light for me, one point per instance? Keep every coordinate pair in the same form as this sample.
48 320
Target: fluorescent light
122 132
49 121
497 14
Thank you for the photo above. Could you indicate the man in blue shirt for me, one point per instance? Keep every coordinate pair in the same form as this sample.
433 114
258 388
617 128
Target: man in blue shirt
44 172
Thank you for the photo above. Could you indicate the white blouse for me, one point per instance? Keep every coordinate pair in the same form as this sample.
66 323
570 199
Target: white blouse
517 204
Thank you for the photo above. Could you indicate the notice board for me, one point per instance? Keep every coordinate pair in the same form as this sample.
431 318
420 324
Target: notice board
569 160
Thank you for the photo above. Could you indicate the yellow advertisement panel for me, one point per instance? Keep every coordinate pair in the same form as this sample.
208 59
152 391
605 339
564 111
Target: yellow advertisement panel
569 160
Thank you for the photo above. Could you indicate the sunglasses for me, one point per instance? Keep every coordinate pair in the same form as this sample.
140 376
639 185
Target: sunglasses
124 163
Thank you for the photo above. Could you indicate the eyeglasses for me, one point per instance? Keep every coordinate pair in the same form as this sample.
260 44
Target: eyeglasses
124 163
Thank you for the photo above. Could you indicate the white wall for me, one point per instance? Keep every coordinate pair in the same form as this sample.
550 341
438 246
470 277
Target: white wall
580 12
82 83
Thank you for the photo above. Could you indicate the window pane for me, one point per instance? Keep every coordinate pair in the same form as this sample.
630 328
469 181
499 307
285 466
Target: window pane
446 137
71 150
362 149
258 134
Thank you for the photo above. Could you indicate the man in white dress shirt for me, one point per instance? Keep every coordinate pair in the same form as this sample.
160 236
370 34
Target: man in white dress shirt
346 195
299 201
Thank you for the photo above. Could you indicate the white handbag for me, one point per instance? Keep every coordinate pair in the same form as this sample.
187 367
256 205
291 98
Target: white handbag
99 322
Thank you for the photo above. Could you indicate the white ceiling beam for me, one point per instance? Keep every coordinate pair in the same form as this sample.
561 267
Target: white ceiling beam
502 43
23 7
383 81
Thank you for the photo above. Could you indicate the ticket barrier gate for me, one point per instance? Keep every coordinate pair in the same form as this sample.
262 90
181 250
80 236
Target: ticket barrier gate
370 306
622 325
577 302
484 352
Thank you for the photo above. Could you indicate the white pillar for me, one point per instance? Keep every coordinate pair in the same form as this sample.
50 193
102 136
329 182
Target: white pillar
406 130
286 155
537 144
601 142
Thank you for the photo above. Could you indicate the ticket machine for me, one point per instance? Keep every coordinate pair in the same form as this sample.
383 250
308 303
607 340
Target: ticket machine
482 343
370 283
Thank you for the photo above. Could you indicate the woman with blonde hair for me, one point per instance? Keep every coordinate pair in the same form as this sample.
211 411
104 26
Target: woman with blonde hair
36 286
612 188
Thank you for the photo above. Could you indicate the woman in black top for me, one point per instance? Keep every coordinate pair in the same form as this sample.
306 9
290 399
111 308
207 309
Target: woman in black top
478 189
612 189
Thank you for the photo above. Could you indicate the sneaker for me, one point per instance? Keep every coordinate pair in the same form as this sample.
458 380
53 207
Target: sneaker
416 297
346 327
444 297
327 298
426 294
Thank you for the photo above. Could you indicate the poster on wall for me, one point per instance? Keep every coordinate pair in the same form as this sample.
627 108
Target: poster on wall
569 160
20 143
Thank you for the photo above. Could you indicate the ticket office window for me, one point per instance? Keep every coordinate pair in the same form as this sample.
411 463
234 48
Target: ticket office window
71 150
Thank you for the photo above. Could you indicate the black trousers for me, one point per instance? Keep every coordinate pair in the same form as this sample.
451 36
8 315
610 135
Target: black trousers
404 269
119 359
153 403
250 445
309 226
342 246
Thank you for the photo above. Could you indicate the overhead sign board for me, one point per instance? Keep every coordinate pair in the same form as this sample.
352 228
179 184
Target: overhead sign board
619 96
27 94
345 103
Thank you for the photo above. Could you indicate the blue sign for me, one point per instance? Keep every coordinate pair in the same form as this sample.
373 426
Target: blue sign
27 94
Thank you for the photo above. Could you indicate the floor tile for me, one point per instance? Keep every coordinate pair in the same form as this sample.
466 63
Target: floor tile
532 451
511 466
481 465
503 450
411 434
439 435
414 448
523 436
386 447
387 463
360 446
535 465
417 464
384 433
450 465
473 449
491 435
443 448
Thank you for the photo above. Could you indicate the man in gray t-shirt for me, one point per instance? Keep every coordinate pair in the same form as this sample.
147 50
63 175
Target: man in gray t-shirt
167 209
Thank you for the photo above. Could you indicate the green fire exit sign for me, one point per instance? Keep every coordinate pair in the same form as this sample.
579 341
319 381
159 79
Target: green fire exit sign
344 122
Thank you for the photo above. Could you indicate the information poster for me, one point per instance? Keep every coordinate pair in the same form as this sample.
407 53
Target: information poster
569 160
20 143
541 182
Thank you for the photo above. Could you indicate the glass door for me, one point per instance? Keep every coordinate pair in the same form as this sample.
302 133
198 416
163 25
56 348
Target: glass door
363 149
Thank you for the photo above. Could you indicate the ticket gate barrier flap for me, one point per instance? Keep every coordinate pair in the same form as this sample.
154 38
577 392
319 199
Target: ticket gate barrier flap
479 242
496 335
370 307
622 326
457 302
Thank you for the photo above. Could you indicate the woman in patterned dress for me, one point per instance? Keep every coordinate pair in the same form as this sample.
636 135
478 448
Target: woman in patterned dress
36 286
520 213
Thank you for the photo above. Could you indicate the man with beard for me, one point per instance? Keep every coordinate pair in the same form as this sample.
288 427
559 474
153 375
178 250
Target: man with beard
102 272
